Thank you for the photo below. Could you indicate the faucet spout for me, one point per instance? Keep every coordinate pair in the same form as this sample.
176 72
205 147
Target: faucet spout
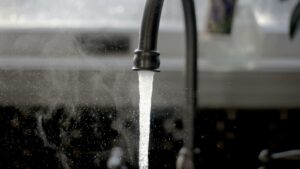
146 56
146 60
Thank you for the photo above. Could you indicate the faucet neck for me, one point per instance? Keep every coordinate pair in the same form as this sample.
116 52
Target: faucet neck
146 56
150 25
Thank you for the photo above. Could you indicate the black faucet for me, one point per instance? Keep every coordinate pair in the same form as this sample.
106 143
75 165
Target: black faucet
147 58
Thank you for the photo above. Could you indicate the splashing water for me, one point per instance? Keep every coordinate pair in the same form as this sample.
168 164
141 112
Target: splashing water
145 88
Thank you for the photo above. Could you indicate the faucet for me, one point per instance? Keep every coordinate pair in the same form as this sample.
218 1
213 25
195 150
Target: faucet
147 58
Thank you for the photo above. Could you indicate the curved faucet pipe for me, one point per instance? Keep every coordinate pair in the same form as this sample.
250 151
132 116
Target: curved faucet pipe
191 69
147 57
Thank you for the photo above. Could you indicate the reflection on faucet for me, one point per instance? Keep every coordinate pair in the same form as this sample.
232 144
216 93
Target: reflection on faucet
147 58
266 157
185 159
116 159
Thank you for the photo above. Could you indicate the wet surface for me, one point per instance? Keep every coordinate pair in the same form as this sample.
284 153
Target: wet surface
224 138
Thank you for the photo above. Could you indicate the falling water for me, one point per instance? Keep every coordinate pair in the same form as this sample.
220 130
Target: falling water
145 88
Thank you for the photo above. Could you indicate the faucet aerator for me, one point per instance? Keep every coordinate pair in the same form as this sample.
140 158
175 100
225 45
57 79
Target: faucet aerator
146 60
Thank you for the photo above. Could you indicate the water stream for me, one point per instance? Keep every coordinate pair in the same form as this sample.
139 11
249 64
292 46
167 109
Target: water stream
145 88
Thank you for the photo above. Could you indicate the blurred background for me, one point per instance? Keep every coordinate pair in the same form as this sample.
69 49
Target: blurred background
69 99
